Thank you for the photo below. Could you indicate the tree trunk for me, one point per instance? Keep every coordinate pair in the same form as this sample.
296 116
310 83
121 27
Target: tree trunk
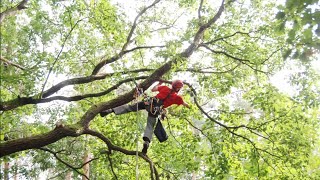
86 167
194 175
37 141
13 10
69 175
6 170
15 175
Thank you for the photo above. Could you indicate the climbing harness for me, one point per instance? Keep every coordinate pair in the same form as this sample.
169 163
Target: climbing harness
154 105
138 92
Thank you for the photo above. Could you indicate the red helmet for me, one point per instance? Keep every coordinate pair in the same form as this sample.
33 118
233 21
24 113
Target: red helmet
177 84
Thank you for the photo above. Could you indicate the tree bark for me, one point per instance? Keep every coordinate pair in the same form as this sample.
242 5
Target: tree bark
16 175
13 10
6 170
6 61
68 176
17 145
86 167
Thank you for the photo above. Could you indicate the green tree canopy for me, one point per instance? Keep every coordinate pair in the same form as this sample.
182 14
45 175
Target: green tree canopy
63 62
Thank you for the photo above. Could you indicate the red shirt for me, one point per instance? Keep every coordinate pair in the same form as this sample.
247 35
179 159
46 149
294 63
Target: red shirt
173 98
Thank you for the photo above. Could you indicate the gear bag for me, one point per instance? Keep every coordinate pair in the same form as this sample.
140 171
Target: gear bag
160 132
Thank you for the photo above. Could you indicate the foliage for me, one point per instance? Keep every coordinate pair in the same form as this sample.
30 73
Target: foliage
62 62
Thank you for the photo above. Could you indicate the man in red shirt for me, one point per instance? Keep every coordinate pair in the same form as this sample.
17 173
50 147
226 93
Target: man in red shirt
165 98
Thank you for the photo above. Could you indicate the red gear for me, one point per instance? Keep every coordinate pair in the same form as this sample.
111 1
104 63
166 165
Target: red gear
169 100
177 84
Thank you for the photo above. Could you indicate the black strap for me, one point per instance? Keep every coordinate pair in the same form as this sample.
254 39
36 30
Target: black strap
160 132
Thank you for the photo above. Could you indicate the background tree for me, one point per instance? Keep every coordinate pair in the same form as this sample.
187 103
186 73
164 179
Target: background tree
62 62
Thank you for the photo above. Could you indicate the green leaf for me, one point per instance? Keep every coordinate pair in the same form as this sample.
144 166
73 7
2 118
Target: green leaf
308 35
287 53
280 15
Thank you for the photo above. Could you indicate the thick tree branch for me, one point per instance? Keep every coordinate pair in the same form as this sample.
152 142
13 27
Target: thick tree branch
11 11
117 57
199 35
88 79
37 141
21 101
11 63
61 131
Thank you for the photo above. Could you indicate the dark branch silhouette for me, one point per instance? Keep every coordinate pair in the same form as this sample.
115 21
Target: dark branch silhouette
13 10
124 47
55 154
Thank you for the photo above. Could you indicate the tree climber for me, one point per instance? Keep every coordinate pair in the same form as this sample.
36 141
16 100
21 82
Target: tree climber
155 105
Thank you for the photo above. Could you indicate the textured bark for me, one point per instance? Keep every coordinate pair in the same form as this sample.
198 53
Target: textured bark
16 174
6 61
6 170
68 176
17 145
14 103
21 101
13 10
86 167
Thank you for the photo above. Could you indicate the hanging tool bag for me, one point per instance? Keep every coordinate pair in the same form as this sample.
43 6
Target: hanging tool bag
156 107
160 132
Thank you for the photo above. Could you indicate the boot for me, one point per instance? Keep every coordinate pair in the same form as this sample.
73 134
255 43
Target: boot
145 147
106 112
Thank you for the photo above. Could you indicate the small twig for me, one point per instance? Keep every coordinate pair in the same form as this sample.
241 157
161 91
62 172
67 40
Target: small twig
12 63
57 58
111 166
199 9
63 162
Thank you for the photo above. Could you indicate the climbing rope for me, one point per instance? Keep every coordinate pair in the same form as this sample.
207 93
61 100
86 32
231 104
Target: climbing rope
137 94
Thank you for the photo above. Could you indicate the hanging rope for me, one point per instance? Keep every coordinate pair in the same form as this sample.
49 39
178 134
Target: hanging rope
137 139
137 165
138 93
